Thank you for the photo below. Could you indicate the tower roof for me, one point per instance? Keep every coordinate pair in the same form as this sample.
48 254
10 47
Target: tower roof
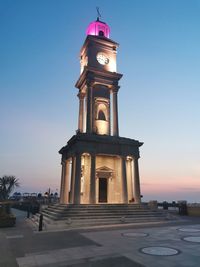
98 28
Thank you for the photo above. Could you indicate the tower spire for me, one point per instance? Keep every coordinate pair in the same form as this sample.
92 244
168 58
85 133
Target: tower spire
98 14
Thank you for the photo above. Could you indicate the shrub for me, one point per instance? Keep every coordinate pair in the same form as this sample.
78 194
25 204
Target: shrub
7 220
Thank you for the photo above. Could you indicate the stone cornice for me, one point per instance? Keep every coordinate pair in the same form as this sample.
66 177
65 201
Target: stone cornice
95 75
105 139
91 140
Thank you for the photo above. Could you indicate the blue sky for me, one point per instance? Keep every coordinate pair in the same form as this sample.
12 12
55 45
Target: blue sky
159 56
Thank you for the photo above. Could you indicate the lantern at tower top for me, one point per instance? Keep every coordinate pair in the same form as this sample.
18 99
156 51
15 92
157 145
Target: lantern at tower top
98 28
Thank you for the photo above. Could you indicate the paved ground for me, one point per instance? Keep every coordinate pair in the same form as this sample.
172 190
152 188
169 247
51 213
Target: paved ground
21 246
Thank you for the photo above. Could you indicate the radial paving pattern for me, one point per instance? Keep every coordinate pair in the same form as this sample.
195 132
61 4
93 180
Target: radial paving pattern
159 251
195 239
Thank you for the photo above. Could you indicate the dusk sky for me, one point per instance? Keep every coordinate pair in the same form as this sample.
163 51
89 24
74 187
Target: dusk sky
159 98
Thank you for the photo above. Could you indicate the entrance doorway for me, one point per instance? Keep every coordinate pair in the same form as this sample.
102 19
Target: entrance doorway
103 184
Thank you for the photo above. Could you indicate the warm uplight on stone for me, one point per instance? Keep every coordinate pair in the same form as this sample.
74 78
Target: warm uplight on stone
98 166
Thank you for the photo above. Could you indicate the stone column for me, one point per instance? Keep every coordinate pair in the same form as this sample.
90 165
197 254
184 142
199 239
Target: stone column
62 182
124 181
130 178
93 180
136 181
109 117
81 111
115 112
71 200
77 184
85 115
66 183
89 109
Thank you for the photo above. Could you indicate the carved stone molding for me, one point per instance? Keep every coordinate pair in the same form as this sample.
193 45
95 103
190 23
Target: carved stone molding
104 172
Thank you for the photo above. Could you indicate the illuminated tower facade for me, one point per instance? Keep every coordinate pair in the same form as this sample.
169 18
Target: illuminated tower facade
99 166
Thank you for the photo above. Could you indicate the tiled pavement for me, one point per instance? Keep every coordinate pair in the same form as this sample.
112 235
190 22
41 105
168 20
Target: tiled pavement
98 248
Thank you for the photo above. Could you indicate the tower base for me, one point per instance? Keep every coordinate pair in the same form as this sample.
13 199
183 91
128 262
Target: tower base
100 169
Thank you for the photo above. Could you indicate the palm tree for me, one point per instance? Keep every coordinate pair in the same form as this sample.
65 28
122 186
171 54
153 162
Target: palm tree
7 185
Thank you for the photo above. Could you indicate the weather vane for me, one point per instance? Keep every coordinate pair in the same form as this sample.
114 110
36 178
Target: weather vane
98 13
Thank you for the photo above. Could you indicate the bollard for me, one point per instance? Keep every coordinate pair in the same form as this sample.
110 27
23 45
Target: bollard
40 222
28 212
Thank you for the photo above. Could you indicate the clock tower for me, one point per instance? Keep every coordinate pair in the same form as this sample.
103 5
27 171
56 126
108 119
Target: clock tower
98 82
99 166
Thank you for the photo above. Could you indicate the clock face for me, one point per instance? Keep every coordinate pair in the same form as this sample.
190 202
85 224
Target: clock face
102 58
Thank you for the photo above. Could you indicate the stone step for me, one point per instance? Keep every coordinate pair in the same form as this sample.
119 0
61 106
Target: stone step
71 214
94 216
68 216
97 206
107 222
95 211
108 218
49 216
102 216
83 211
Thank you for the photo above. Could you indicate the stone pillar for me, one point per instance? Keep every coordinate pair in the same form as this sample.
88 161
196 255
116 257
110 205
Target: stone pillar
93 180
124 181
89 109
109 117
81 111
77 184
62 182
130 178
115 112
136 181
72 181
85 115
66 183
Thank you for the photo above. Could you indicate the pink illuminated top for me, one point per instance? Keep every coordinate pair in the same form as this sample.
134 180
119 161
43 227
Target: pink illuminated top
98 28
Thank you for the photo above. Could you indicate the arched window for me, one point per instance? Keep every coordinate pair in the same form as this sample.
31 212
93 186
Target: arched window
101 33
101 116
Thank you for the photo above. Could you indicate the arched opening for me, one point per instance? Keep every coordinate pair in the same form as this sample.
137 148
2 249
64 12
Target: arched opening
101 115
101 33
